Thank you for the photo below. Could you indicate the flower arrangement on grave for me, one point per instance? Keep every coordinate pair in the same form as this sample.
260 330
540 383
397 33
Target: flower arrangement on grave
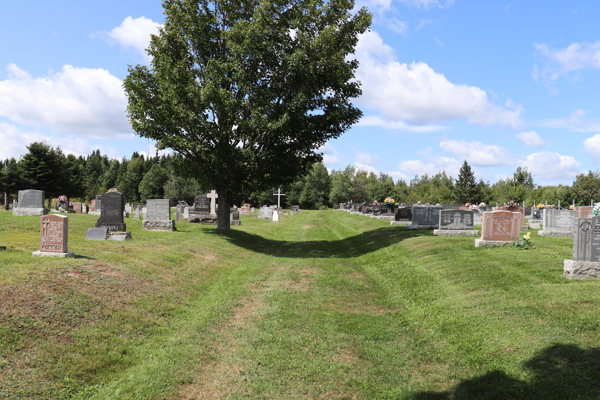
570 207
426 204
473 207
112 190
62 198
596 210
524 243
467 204
540 206
512 203
418 203
389 200
482 204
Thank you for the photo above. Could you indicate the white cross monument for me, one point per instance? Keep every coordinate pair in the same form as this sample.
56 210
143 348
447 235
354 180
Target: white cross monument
213 196
278 194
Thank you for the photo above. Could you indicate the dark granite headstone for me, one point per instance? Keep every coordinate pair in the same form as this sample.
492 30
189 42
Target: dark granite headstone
376 209
456 220
202 204
426 215
451 206
99 202
403 214
111 213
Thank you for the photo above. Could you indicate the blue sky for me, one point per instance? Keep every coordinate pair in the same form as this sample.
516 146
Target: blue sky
499 84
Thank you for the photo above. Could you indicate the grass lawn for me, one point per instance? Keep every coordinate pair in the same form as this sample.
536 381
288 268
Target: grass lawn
324 305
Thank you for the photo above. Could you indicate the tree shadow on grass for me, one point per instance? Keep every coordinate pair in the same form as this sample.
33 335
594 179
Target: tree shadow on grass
560 372
354 246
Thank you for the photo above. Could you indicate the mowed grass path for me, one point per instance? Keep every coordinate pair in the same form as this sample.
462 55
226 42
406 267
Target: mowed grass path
323 305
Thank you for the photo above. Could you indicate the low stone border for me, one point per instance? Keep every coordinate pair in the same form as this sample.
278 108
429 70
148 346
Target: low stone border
555 233
581 269
399 222
411 226
455 232
492 243
535 225
119 236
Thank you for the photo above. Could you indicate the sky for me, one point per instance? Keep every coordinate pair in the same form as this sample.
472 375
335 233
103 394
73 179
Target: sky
499 84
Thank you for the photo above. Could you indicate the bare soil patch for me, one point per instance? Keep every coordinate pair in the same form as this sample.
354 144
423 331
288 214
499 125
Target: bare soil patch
309 226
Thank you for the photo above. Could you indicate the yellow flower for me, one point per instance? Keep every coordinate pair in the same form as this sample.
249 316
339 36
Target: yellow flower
527 236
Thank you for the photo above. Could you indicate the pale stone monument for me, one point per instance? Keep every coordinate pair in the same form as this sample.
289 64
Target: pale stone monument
558 223
585 261
213 196
275 216
456 223
31 204
158 216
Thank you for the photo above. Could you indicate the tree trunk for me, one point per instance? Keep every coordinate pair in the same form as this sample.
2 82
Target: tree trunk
223 211
6 201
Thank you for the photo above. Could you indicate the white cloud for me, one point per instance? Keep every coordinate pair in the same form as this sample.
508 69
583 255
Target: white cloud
330 155
376 121
80 101
592 146
427 4
423 23
152 151
438 41
531 138
400 27
430 166
367 158
477 153
135 34
576 56
576 122
15 141
551 167
365 167
416 94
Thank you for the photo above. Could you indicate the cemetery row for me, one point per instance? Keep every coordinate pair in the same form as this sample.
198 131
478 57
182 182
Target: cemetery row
112 210
501 226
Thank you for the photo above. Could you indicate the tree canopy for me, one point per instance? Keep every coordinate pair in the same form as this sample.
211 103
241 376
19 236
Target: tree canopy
248 91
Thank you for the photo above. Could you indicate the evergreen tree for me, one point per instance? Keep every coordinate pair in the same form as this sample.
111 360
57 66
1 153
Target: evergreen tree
152 185
465 189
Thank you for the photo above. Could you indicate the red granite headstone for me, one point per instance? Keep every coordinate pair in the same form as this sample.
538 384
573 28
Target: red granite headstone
501 226
54 233
584 212
514 209
77 208
93 207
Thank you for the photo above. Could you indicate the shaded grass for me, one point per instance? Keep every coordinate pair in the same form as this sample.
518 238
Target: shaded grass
322 305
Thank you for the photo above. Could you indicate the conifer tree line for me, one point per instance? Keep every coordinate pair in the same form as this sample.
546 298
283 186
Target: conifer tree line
141 178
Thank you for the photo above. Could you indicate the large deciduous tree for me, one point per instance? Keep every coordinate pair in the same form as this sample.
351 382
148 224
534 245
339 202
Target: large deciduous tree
247 91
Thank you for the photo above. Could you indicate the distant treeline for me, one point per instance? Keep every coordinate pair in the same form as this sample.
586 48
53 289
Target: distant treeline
141 178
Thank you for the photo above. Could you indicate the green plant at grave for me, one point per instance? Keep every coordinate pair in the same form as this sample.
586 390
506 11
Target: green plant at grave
247 91
524 243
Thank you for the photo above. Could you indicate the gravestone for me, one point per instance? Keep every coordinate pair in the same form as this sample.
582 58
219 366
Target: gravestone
84 208
266 213
128 208
456 223
252 209
558 223
93 205
213 196
97 234
99 202
54 236
476 217
275 216
31 204
515 209
387 211
402 216
158 216
245 209
452 206
136 214
178 213
585 262
584 212
186 213
234 218
77 207
111 213
425 217
537 214
499 228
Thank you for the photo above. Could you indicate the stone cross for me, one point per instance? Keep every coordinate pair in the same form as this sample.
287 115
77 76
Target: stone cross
213 196
278 194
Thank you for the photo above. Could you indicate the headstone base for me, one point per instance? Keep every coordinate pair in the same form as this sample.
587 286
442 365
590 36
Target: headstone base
353 212
202 220
416 226
581 269
535 225
524 227
455 232
113 227
119 236
94 213
491 243
386 217
29 212
555 233
236 223
399 222
44 254
159 225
